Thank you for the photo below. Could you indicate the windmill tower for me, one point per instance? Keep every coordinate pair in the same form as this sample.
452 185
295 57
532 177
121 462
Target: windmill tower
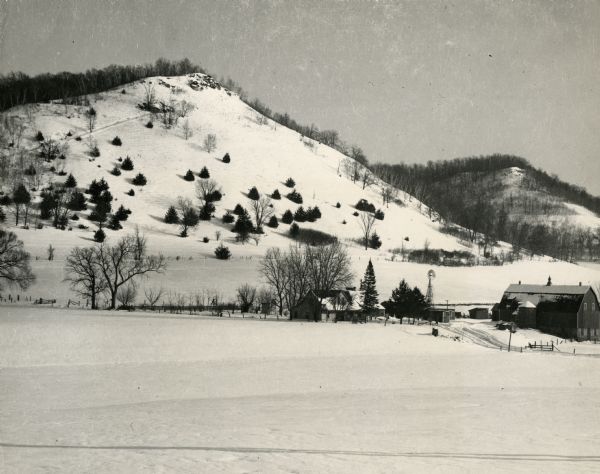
429 296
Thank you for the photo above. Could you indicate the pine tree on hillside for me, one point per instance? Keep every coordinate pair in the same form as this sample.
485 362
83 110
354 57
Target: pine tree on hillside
243 226
71 182
369 295
171 216
204 174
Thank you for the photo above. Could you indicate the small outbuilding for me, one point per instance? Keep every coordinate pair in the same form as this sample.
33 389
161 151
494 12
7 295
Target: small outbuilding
440 314
308 308
479 313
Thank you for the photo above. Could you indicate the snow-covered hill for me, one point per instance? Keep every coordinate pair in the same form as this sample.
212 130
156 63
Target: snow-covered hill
263 154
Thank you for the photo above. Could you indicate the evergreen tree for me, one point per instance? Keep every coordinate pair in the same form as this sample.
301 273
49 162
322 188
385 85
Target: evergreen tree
300 215
122 214
222 252
116 141
139 180
276 194
114 223
290 183
228 218
207 210
171 216
99 235
243 226
273 222
253 194
115 171
238 209
188 221
294 230
77 202
189 176
369 295
127 164
226 158
405 301
287 217
71 182
375 241
204 174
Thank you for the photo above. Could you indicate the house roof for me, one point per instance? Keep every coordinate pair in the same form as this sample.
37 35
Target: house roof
548 290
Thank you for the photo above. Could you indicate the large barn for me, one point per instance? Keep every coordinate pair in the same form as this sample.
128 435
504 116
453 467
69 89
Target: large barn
564 310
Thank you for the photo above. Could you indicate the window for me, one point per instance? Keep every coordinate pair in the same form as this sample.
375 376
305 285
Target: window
593 306
585 306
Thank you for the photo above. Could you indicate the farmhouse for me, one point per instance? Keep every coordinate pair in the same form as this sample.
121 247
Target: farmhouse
563 310
338 305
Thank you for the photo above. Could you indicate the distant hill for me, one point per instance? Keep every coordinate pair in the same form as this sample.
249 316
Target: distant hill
506 198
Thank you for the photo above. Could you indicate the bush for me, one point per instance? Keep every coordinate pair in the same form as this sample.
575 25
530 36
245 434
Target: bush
70 182
82 227
99 235
374 241
226 158
276 195
127 164
205 240
300 215
214 196
338 205
287 217
77 139
253 194
131 192
116 171
295 196
379 214
238 210
313 213
140 180
189 176
228 218
273 222
149 124
294 230
171 216
122 214
116 141
77 202
355 214
222 252
74 217
114 223
314 237
344 222
39 136
243 226
206 211
95 151
204 174
364 205
290 183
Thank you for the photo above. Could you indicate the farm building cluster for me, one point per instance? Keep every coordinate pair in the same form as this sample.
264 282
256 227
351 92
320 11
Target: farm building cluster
569 311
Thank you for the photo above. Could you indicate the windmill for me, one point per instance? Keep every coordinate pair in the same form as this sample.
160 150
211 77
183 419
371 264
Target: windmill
429 296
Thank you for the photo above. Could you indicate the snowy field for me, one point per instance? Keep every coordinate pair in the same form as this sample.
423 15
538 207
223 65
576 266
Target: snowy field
114 392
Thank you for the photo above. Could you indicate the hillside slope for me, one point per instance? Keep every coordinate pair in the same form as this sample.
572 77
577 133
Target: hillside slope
263 154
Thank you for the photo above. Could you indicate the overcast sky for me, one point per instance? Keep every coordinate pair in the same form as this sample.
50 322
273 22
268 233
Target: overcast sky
408 81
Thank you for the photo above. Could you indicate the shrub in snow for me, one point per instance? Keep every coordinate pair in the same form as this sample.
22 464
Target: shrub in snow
116 171
374 241
355 214
171 216
295 196
222 252
127 164
99 235
379 214
189 176
77 139
140 180
116 141
74 217
300 215
338 205
287 217
131 192
205 240
204 174
253 194
364 205
70 182
206 211
122 214
313 213
39 136
77 202
344 222
228 218
226 158
238 209
273 222
114 223
95 151
276 194
149 124
290 183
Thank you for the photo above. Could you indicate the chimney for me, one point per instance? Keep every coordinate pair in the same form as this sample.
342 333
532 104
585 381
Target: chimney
549 282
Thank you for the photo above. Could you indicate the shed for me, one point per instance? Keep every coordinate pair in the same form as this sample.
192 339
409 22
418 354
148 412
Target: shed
308 308
440 315
479 313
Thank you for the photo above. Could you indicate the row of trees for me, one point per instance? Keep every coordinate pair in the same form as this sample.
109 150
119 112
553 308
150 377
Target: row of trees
17 88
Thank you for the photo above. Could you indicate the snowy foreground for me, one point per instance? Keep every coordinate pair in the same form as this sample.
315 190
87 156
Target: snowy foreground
114 392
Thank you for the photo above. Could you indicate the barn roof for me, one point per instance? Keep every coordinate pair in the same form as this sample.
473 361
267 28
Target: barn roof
548 289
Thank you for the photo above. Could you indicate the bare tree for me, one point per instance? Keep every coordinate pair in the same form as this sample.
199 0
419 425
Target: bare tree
246 294
126 260
273 268
388 194
367 178
298 282
149 96
205 188
84 274
152 296
184 108
126 294
351 169
91 115
187 129
210 142
189 216
329 268
14 261
262 210
367 223
265 297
